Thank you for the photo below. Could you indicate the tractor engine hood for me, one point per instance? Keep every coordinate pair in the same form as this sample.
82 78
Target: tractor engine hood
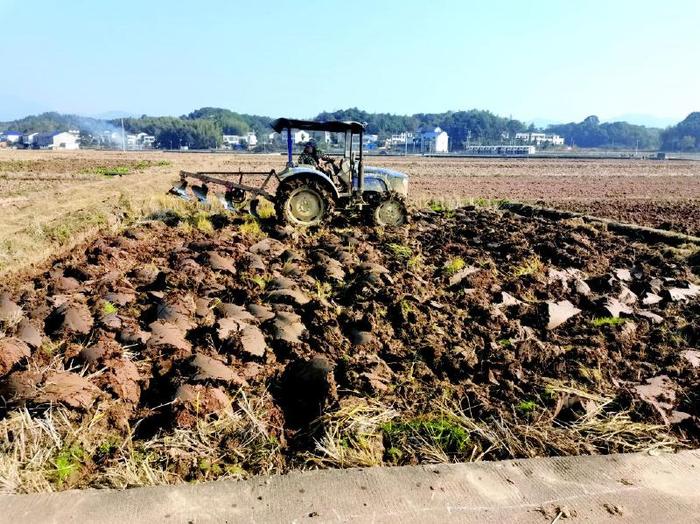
395 180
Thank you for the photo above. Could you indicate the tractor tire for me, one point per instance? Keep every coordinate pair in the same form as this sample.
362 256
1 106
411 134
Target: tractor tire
390 212
303 202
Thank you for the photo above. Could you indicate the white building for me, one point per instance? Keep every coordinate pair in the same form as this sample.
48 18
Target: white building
399 139
249 140
231 141
145 141
540 138
11 137
28 139
298 136
435 141
68 140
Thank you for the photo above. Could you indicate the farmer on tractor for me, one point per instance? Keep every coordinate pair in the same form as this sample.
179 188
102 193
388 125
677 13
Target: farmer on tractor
312 156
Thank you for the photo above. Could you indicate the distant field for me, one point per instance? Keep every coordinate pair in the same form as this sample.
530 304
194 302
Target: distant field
50 200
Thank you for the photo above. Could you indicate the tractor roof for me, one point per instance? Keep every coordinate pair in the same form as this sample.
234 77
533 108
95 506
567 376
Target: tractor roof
310 125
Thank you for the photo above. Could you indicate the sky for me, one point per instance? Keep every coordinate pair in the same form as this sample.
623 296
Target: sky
532 59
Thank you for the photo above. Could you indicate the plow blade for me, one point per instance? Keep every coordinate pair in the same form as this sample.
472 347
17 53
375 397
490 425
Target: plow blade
201 192
227 200
180 191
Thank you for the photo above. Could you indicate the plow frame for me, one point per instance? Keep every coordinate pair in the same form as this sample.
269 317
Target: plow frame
212 177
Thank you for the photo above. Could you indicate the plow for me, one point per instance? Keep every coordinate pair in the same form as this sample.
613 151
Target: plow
236 197
308 194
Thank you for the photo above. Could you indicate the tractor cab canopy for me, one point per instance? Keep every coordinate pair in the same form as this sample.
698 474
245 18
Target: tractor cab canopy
349 128
309 125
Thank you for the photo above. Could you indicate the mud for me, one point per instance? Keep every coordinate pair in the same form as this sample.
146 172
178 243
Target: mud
485 308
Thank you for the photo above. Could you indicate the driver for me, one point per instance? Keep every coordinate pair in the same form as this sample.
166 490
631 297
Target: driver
312 156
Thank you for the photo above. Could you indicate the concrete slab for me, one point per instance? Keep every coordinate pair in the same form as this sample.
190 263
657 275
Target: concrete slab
614 488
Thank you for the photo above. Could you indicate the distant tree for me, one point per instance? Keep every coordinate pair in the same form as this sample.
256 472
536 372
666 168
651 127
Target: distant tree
684 136
591 133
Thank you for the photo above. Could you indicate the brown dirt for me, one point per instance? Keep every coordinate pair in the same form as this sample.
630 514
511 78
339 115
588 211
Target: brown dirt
481 309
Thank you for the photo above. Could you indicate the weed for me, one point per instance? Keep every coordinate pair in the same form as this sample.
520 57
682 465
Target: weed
437 206
288 268
415 263
261 281
265 209
200 220
394 455
607 321
108 308
526 406
592 374
505 343
530 266
453 265
400 251
63 231
406 308
251 228
67 462
323 290
434 434
49 347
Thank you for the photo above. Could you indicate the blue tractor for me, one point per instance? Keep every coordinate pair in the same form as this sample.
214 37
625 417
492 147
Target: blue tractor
308 195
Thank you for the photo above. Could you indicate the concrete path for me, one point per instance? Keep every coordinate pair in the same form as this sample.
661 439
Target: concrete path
616 488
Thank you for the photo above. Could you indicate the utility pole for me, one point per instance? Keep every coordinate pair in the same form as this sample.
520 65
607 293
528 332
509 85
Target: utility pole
123 137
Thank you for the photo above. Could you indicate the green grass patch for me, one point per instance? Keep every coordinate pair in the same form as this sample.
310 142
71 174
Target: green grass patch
453 265
530 266
63 230
251 228
200 220
259 280
526 406
67 462
437 432
607 321
400 251
108 308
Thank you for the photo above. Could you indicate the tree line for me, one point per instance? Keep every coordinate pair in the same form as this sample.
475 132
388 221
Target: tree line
591 133
203 128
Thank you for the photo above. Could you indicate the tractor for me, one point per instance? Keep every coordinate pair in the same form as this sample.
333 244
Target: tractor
307 195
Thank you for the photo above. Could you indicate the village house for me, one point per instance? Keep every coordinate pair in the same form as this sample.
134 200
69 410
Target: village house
69 140
435 141
540 138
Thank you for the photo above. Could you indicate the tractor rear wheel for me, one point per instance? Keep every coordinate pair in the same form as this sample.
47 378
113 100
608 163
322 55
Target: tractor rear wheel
303 202
389 213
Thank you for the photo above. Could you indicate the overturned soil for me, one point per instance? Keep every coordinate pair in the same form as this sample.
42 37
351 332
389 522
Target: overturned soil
465 335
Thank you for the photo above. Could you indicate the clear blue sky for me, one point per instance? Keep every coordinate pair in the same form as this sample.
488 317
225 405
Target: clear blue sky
559 59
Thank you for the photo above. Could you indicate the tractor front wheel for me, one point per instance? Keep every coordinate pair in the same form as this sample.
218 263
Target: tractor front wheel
303 202
389 213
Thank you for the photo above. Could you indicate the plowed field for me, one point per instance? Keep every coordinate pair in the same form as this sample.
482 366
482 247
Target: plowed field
171 352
